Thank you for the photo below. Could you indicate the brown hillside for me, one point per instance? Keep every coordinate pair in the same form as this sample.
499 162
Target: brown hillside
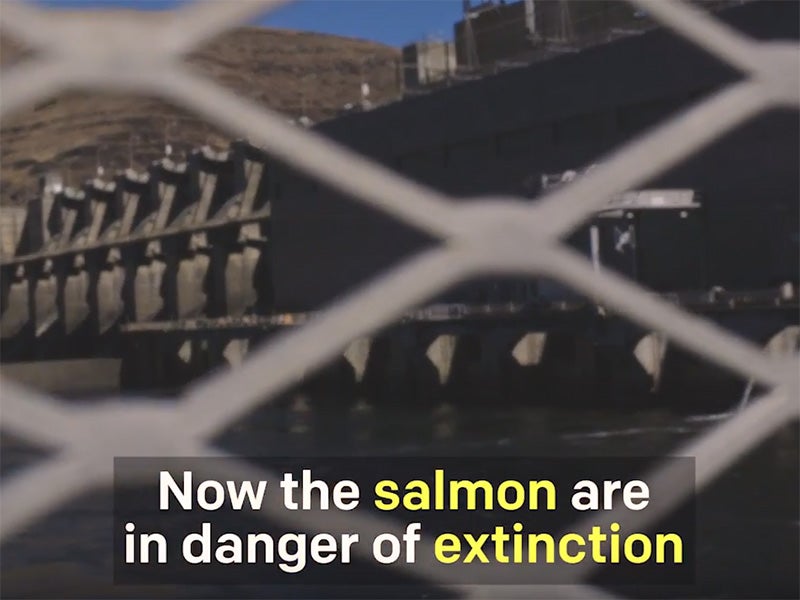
293 72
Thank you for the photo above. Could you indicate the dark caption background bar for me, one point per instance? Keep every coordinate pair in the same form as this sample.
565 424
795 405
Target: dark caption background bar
139 504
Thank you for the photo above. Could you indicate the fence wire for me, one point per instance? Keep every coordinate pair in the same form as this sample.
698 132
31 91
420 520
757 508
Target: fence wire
489 236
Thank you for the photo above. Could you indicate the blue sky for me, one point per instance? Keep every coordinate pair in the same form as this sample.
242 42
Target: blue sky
394 22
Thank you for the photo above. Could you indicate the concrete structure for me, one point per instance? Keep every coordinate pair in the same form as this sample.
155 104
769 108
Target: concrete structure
151 280
428 63
496 31
144 247
187 266
12 219
499 134
515 31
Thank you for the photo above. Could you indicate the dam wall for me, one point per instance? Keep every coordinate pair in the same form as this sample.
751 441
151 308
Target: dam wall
183 268
499 134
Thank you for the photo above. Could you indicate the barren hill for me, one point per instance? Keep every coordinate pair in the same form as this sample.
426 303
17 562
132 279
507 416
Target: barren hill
293 72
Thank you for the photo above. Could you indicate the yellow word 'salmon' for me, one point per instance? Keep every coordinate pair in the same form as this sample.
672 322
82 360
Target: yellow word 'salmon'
463 494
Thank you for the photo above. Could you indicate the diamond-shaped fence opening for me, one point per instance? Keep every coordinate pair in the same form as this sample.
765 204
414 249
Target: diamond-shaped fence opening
488 236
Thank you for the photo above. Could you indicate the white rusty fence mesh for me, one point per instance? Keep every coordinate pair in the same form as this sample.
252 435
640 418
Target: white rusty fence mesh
493 235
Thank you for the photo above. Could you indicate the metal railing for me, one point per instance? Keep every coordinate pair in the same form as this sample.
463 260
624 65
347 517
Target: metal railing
493 235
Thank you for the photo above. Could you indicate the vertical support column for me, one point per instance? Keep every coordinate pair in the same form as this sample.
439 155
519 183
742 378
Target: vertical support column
493 382
43 222
243 278
101 196
14 309
15 305
49 292
391 370
155 279
135 205
79 302
210 178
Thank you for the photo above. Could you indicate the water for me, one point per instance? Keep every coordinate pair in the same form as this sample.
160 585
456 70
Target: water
747 520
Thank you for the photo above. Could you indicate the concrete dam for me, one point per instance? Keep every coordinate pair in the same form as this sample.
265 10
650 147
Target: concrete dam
184 268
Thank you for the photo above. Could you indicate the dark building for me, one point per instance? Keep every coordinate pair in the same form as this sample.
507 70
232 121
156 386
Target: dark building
500 133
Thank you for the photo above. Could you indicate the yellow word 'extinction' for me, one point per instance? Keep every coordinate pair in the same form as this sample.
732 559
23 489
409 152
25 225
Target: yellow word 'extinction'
516 547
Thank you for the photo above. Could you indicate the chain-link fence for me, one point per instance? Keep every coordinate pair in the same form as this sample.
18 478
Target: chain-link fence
494 235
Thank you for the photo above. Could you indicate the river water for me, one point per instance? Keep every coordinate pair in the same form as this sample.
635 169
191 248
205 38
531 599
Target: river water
747 521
